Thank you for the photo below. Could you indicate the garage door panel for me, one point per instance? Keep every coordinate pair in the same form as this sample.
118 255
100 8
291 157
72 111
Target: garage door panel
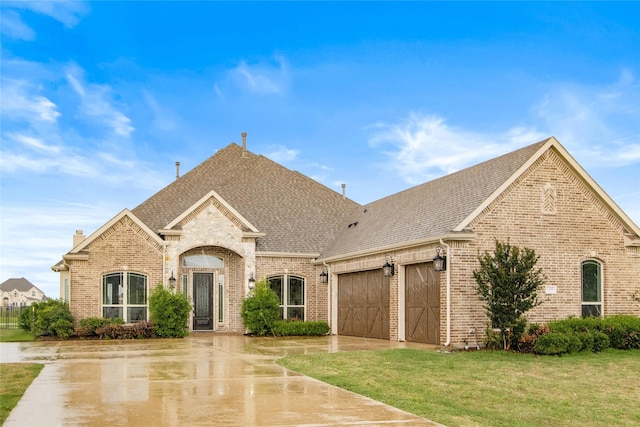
363 304
422 304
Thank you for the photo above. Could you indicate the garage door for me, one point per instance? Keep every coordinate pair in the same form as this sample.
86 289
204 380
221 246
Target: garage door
363 304
422 304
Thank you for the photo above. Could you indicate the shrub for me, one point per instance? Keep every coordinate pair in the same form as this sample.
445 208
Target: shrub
89 325
493 339
142 329
25 318
260 309
169 313
557 343
586 339
623 331
600 341
51 317
530 337
286 328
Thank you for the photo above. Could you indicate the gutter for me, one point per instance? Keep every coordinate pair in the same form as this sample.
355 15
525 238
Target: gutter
461 236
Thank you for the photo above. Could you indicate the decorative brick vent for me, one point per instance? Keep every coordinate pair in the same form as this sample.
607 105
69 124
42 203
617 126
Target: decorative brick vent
549 199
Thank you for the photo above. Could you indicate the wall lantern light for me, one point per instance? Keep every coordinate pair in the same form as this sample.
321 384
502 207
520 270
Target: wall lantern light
324 276
388 269
172 281
439 262
252 282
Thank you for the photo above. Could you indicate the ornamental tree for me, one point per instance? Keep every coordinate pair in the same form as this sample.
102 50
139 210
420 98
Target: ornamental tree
508 283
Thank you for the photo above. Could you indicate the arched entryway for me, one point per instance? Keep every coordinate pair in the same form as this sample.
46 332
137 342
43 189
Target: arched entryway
212 277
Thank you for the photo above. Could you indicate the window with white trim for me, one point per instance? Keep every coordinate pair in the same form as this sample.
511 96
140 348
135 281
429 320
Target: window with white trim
124 296
591 288
290 290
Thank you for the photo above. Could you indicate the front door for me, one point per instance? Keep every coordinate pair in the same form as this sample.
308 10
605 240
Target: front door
202 301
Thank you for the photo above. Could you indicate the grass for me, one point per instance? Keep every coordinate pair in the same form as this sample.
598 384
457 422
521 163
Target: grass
15 335
486 388
16 377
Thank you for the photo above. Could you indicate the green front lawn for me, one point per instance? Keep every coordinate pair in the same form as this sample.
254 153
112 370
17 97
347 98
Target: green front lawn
486 388
15 335
16 378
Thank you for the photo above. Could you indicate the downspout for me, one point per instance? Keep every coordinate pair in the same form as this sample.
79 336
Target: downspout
448 263
329 300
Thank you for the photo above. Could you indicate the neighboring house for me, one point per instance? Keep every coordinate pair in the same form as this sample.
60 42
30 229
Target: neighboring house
20 293
238 217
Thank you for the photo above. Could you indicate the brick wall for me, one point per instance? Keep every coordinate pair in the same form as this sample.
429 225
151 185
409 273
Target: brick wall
551 211
123 247
316 293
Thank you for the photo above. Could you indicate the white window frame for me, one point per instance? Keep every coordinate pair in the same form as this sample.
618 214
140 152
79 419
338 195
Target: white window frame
124 305
599 303
284 298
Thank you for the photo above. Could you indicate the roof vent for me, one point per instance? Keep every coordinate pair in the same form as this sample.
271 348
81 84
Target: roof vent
177 170
344 191
244 144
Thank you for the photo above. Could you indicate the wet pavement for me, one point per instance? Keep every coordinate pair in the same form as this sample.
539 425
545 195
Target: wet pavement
202 380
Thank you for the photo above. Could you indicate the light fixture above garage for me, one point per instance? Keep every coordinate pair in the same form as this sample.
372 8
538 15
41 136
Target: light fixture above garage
439 262
388 269
324 276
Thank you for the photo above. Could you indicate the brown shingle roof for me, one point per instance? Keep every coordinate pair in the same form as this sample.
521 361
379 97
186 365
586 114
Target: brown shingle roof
427 210
298 214
20 285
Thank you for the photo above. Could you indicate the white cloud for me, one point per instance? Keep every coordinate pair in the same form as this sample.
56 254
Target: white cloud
21 99
67 12
11 25
163 121
33 142
598 123
427 147
35 237
96 103
282 154
262 78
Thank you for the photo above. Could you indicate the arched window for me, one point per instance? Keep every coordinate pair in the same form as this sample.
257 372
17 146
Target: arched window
124 296
591 288
204 261
290 290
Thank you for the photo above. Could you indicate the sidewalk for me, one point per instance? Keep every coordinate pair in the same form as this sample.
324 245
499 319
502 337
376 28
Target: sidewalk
203 380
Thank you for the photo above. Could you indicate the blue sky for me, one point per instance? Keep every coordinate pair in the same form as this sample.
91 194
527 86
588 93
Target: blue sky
100 99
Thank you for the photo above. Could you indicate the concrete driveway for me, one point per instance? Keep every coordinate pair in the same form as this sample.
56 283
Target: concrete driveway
203 380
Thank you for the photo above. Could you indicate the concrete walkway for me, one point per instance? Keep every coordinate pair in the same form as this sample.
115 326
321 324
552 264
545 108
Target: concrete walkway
203 380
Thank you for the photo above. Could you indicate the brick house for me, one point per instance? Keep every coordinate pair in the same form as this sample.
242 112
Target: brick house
238 217
20 293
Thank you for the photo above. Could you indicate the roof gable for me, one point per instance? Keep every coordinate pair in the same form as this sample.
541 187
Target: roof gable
445 207
124 213
431 210
295 213
236 217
